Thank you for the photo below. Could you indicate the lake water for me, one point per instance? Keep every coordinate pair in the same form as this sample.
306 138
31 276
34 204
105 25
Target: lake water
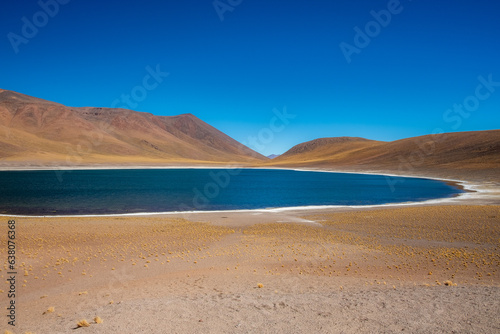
163 190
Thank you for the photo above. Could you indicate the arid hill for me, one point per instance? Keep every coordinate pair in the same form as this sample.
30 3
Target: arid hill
447 154
326 149
37 132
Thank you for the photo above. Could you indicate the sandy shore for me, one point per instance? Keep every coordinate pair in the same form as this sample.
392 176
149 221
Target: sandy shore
421 268
372 270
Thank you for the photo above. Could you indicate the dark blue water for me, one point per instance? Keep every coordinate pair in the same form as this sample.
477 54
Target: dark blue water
162 190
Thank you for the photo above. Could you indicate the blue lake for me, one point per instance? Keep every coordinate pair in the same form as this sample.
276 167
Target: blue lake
118 191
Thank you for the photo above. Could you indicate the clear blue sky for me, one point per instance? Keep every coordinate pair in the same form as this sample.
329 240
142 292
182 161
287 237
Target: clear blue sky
265 55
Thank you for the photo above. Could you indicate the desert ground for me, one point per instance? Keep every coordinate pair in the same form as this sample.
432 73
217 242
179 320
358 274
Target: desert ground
419 268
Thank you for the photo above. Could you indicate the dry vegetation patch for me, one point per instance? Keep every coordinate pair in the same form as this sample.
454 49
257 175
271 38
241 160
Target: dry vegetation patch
454 241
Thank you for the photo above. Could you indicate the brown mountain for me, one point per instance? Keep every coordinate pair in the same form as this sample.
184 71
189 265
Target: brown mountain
335 149
452 154
40 133
36 131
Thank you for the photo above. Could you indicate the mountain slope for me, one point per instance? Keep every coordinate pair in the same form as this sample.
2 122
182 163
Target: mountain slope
464 151
327 149
35 130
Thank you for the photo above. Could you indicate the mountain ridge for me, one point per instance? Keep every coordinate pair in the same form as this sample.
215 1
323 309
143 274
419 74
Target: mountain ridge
37 132
45 130
451 154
